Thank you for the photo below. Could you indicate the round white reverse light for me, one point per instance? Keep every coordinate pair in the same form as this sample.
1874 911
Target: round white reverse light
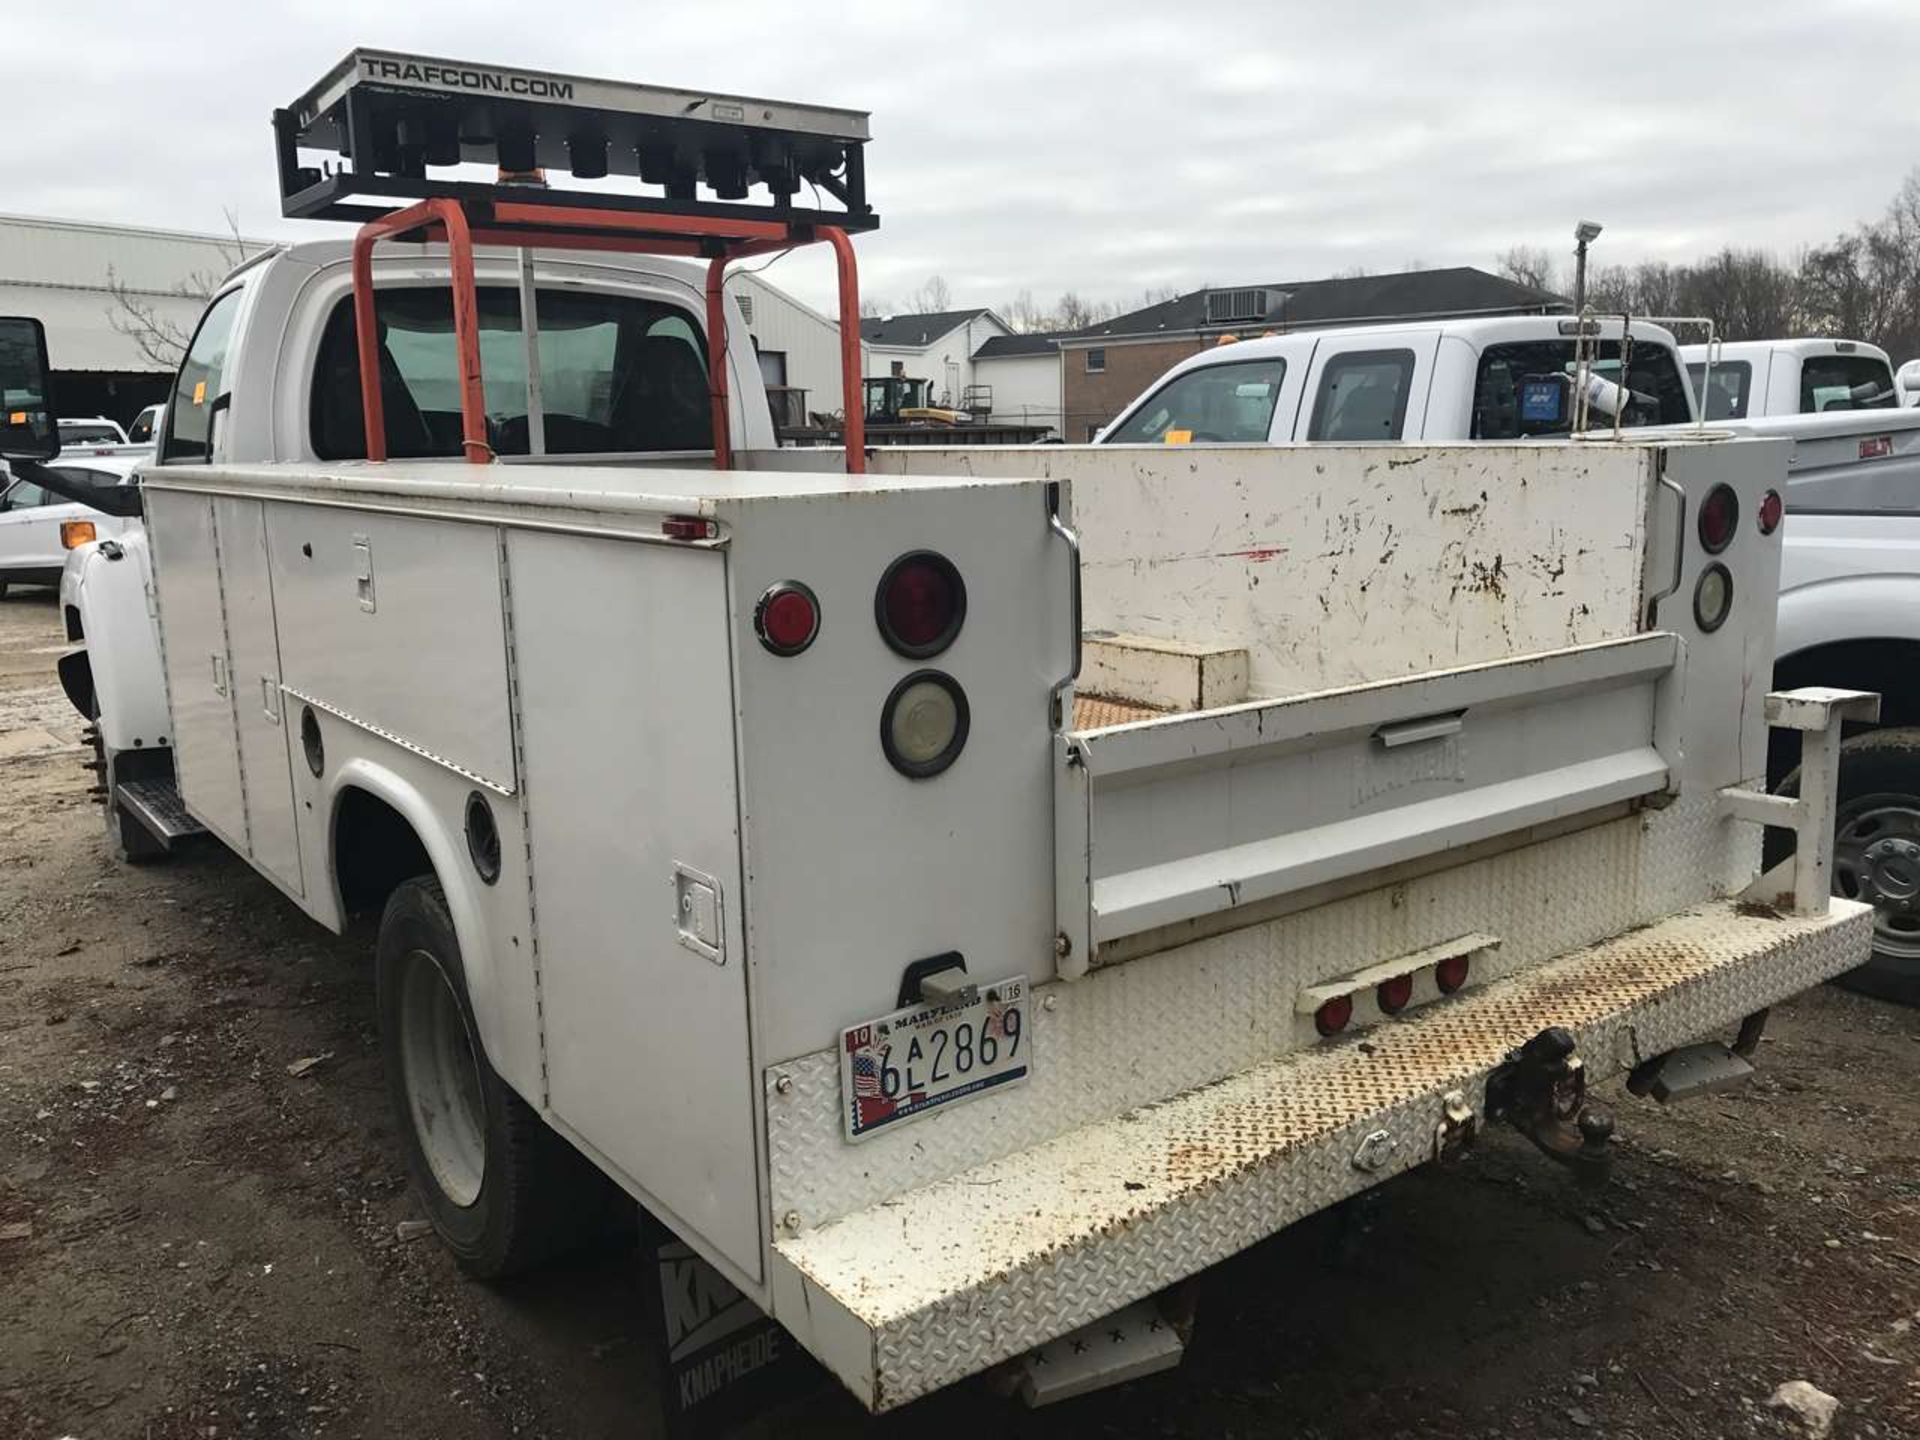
1712 598
923 725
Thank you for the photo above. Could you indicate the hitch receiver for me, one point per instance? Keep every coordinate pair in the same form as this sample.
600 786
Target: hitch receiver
1541 1091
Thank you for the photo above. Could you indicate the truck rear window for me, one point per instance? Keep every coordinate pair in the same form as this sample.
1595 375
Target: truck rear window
1845 382
1723 394
1526 389
618 374
1231 402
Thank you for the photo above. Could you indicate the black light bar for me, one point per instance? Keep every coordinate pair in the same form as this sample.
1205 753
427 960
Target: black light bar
395 120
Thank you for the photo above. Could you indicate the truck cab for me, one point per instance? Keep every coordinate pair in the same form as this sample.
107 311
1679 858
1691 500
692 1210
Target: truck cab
1753 379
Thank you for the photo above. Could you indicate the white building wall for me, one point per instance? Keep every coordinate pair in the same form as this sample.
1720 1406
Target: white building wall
809 340
63 273
1026 388
947 360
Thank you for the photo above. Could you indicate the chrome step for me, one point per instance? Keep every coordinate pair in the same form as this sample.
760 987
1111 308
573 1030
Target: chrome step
156 804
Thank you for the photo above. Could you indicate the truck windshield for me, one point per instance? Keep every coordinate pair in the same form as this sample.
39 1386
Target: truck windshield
618 374
1726 389
1845 382
1232 402
1526 389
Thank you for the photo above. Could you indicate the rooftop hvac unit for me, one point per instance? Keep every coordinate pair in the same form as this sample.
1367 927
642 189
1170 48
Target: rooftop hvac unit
1228 307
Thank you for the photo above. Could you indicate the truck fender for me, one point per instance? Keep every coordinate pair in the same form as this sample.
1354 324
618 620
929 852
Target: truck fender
103 598
446 852
1862 607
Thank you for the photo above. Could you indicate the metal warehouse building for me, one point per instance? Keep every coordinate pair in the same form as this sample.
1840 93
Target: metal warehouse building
113 296
67 272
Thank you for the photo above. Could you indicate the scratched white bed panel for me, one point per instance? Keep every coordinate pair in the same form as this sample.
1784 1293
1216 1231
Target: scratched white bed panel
1336 565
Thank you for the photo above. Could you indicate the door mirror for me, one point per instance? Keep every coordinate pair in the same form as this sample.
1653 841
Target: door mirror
27 427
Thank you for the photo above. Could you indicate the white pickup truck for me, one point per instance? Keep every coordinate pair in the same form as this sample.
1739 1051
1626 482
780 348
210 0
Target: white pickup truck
1850 573
1753 379
743 843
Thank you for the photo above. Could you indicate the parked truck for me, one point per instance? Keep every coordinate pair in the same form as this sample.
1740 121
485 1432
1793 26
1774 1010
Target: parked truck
963 892
1850 571
1753 379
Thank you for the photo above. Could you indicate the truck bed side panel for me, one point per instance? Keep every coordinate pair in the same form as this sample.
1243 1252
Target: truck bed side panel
187 582
625 697
259 708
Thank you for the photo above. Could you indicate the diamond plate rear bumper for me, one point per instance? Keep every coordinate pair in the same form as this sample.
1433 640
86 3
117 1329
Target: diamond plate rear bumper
939 1283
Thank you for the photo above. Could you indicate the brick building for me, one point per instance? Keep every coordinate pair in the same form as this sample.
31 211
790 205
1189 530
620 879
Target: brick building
1105 366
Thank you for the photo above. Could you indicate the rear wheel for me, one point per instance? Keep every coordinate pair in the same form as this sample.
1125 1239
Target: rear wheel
503 1191
1876 855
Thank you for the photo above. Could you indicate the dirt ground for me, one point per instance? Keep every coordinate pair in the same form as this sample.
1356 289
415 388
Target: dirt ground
195 1242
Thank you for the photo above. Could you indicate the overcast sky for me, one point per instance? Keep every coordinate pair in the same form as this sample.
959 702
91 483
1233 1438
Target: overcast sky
1106 148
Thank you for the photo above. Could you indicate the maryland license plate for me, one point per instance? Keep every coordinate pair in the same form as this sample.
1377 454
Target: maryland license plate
915 1060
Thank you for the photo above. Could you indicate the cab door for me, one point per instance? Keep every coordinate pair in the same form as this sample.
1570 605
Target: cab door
1370 387
30 532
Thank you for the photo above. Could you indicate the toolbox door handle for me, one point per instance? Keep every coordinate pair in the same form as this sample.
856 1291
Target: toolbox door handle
1412 732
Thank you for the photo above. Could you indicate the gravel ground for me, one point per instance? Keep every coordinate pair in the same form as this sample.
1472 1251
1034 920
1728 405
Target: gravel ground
195 1242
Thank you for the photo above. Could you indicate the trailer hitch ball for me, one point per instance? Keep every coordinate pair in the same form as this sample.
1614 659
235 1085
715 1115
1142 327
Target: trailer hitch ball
1541 1091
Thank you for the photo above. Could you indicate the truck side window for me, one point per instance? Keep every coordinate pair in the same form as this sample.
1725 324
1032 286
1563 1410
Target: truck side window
1726 389
1232 402
189 424
618 374
1363 396
1845 382
1526 388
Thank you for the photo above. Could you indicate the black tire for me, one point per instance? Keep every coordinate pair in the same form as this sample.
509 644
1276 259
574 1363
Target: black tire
1879 777
3 589
537 1196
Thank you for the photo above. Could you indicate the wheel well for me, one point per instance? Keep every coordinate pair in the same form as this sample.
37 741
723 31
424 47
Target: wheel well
1889 667
374 849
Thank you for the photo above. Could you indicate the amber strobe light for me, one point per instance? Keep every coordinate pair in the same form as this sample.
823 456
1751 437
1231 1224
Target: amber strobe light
920 604
923 725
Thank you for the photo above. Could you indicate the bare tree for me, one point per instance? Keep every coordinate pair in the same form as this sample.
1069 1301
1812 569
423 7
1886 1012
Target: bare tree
872 307
1527 265
931 298
139 315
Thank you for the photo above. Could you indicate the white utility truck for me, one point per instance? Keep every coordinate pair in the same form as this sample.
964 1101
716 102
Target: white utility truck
1850 570
964 893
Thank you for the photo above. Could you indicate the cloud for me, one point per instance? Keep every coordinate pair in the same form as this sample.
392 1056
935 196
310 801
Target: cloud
1102 148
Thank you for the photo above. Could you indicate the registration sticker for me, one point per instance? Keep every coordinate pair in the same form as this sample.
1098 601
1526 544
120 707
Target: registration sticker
915 1060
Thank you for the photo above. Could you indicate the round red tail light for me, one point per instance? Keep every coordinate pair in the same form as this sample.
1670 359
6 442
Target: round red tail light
1719 517
920 604
1451 973
787 618
1332 1017
1393 995
1772 507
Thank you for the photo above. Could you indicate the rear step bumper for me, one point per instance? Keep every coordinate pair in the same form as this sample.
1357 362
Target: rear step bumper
945 1281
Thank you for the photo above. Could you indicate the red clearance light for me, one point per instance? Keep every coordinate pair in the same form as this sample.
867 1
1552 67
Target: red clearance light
1392 995
688 527
920 604
1719 515
1772 507
787 618
1332 1017
1451 973
1878 448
